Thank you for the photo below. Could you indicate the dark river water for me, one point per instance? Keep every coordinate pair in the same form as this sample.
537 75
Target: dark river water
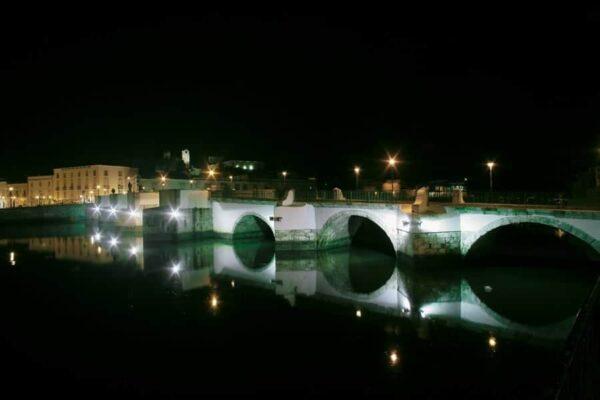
87 315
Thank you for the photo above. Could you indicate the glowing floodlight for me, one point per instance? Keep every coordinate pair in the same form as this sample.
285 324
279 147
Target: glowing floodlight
174 213
176 268
113 241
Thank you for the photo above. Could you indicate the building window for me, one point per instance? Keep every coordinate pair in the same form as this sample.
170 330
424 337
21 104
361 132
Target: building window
105 173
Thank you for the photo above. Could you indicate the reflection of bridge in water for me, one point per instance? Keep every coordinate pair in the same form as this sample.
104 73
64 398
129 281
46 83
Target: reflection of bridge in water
368 281
338 277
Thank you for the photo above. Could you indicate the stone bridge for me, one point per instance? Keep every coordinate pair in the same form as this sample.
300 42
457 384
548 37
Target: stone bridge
410 230
451 230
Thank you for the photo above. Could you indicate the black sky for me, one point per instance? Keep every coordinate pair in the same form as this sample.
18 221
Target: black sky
447 89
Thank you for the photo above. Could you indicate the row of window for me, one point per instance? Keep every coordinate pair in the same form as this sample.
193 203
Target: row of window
86 174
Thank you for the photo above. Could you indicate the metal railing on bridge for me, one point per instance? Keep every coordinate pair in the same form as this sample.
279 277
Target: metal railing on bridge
405 195
252 194
357 196
533 198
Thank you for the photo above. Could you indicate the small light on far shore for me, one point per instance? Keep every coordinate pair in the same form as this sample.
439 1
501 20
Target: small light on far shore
394 358
214 301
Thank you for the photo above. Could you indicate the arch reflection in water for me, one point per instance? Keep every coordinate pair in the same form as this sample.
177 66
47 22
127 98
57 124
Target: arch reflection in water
521 279
247 261
365 278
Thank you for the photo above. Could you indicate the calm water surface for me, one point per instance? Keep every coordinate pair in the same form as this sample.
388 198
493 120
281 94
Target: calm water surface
88 316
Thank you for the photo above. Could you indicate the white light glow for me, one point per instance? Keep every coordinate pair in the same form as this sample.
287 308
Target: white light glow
133 250
358 313
113 241
174 213
175 268
112 211
98 236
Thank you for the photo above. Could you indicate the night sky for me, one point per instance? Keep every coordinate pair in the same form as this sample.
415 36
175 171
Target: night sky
445 89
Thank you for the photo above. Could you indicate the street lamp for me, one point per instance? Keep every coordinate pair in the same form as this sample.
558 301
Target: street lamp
491 166
391 162
356 173
284 173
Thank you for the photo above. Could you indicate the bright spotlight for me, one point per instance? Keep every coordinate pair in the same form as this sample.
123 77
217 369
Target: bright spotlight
98 236
113 241
97 209
174 213
176 268
112 211
133 213
358 313
133 250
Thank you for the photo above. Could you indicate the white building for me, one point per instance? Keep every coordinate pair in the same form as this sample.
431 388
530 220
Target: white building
41 190
84 183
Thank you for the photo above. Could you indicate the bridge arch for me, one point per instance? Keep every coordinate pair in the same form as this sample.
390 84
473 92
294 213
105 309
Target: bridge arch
467 241
252 225
337 230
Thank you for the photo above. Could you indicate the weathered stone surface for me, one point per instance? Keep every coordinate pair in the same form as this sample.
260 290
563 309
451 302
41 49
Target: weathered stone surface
438 243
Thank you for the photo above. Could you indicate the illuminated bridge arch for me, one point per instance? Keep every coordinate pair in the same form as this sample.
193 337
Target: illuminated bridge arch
469 240
337 231
252 225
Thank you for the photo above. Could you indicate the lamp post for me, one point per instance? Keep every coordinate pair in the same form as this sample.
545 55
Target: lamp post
231 182
491 166
356 173
392 164
284 173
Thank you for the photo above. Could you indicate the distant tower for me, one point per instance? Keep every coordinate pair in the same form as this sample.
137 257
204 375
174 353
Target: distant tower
185 156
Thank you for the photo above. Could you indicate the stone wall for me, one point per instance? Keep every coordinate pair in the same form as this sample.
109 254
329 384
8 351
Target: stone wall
49 214
296 239
436 243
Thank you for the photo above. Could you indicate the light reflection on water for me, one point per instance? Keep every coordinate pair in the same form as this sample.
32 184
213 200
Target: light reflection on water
510 301
500 306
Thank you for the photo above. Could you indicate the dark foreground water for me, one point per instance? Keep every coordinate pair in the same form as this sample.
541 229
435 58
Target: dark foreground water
86 316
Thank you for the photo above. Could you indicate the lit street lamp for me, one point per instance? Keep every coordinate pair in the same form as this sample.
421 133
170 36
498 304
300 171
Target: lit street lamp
356 173
491 166
284 173
391 161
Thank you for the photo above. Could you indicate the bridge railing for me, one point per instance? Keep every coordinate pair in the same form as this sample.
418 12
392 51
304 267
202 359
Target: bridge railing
405 195
534 198
254 194
357 196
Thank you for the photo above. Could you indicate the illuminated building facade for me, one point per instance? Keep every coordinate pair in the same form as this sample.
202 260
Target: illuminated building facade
17 194
41 190
84 183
